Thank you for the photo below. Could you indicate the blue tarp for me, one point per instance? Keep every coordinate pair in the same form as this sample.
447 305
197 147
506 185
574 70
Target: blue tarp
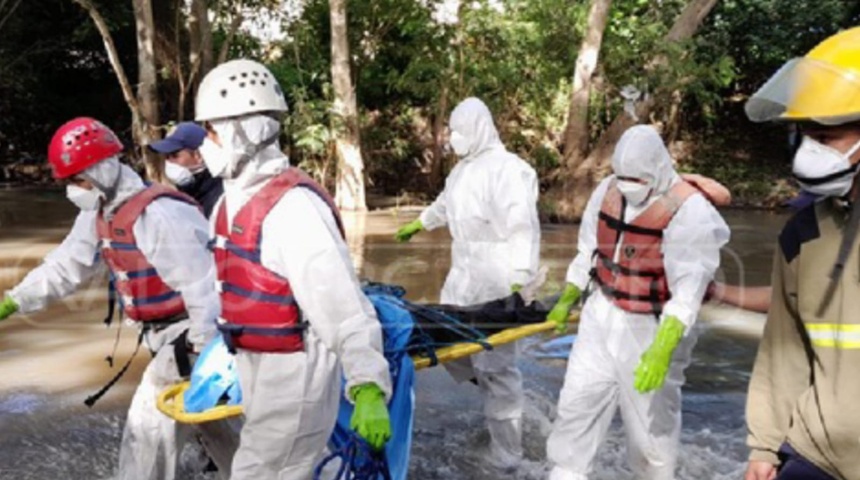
397 327
556 348
214 379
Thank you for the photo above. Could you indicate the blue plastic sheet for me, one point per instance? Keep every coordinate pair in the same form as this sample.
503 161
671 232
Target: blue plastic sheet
555 348
214 379
397 327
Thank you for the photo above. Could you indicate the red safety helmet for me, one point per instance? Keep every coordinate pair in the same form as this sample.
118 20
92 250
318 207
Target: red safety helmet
80 144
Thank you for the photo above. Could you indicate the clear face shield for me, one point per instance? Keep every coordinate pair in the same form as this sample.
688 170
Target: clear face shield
808 89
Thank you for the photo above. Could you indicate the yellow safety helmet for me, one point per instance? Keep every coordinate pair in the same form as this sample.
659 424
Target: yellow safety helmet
823 86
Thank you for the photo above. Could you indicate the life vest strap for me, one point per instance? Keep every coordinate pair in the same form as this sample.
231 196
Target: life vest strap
224 287
180 354
224 243
92 399
652 297
142 301
231 330
617 268
108 244
621 226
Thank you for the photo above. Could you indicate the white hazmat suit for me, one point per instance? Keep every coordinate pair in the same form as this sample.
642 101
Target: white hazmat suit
291 400
490 207
172 235
610 341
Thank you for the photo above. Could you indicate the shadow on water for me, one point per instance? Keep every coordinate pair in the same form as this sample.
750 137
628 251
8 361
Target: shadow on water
52 360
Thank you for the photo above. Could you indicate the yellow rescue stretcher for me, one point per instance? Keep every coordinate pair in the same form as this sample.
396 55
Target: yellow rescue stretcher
171 404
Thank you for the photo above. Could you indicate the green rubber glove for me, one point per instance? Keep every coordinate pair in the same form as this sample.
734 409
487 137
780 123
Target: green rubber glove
405 233
370 418
654 364
7 308
560 313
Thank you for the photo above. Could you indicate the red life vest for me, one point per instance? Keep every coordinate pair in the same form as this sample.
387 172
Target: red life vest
146 297
636 282
258 311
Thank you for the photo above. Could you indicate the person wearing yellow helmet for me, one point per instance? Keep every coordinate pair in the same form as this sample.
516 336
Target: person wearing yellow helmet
801 407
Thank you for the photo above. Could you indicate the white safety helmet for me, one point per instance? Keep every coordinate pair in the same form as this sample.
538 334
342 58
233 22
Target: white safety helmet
236 88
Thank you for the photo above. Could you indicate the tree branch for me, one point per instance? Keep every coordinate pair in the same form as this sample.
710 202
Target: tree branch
199 43
9 13
113 56
234 26
583 178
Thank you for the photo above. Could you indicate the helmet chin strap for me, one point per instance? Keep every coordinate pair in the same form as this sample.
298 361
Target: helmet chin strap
849 235
252 149
108 191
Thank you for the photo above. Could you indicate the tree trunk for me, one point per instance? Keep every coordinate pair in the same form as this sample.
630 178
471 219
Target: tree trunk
169 45
673 116
355 225
200 55
138 123
438 129
576 133
349 189
200 41
690 19
578 186
147 85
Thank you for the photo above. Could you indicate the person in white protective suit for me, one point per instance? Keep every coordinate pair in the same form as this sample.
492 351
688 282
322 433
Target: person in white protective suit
154 241
292 306
490 207
649 245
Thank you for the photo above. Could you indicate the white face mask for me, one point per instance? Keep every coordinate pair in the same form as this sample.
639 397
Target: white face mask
220 161
83 198
459 144
178 174
823 170
635 193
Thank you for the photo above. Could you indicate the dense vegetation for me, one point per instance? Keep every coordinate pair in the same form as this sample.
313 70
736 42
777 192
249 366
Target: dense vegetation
413 60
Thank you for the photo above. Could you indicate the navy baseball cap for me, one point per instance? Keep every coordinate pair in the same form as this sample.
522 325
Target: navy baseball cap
186 135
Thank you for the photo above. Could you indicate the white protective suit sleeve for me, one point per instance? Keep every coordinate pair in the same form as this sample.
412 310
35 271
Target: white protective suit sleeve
578 271
515 211
63 270
436 215
691 255
316 260
173 237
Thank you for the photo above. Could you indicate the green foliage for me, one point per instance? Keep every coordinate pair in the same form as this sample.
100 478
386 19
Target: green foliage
53 67
410 69
761 35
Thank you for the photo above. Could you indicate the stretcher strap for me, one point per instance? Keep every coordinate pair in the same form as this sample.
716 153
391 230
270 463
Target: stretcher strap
92 399
180 354
448 322
358 461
